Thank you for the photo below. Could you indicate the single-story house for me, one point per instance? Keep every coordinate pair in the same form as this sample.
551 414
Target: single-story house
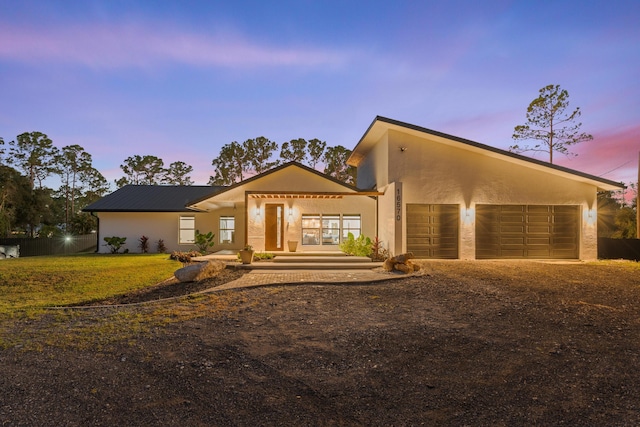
418 190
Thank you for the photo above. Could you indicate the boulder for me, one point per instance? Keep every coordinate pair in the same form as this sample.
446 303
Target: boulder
404 268
388 264
200 271
403 258
401 263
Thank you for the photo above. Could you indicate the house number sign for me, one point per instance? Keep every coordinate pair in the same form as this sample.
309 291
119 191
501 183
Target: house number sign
398 204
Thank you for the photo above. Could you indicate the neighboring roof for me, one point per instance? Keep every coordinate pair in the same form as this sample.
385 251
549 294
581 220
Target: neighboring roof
152 198
381 125
274 170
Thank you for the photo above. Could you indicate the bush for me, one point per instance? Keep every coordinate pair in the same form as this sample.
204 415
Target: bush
264 255
115 243
358 247
204 241
184 257
160 247
143 244
378 252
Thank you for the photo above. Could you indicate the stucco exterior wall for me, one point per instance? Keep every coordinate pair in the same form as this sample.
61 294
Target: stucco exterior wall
437 173
373 171
134 225
390 230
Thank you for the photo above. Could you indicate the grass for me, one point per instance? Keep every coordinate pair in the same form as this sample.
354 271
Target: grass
36 282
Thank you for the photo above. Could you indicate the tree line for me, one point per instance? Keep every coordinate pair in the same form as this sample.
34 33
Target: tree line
236 161
28 207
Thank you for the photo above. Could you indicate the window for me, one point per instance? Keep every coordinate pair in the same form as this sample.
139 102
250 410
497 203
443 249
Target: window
330 229
187 230
351 224
227 229
310 229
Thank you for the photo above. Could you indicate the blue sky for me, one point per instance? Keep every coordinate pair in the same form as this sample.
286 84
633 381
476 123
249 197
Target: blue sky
180 79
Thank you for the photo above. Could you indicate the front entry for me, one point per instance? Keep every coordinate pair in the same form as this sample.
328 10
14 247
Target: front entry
273 227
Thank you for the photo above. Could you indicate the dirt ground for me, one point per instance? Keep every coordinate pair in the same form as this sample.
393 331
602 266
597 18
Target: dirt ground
463 343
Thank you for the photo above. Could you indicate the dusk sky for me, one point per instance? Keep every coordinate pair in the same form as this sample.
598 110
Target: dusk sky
180 79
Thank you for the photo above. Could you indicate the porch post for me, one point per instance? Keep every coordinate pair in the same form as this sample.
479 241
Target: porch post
246 219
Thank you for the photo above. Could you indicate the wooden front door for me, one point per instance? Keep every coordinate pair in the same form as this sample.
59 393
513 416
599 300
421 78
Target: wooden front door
273 227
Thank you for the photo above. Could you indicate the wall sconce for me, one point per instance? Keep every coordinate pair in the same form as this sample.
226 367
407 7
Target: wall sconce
258 211
468 214
592 217
290 219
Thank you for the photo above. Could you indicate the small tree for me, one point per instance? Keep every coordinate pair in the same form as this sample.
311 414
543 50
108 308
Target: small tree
204 241
161 248
143 244
549 124
115 243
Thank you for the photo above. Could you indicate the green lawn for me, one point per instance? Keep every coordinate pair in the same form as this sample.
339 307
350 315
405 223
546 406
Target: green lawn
34 282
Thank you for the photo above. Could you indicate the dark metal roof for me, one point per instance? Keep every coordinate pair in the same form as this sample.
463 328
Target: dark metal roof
152 198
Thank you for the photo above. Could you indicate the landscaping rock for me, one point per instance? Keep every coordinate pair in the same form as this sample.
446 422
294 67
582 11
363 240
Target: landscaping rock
200 271
401 263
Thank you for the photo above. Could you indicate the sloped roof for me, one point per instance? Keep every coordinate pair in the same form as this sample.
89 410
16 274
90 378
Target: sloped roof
152 198
381 125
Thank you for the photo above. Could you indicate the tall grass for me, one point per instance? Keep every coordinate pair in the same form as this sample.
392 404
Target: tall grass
27 283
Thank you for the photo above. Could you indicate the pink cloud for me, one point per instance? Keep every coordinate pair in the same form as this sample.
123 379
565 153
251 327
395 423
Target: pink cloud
611 154
113 46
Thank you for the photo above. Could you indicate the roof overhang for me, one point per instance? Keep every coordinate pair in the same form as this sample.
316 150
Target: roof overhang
381 125
307 194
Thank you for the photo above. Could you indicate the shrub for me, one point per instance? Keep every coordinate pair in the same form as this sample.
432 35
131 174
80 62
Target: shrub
115 243
358 247
143 244
378 252
160 247
184 257
204 241
264 255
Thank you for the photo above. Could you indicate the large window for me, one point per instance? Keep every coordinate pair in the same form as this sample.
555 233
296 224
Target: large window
310 229
227 229
351 224
187 230
329 229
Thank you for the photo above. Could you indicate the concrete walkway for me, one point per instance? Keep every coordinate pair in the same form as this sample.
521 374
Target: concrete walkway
255 278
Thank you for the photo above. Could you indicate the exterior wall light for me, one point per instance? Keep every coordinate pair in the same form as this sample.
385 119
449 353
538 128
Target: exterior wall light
468 215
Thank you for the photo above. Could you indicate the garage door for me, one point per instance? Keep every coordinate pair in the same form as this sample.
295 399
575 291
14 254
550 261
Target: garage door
432 230
521 231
